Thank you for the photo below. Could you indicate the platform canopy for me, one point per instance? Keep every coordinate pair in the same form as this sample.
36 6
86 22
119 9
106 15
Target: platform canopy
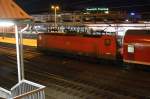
9 10
12 15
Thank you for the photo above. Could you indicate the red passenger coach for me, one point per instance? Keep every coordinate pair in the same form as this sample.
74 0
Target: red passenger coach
101 46
136 47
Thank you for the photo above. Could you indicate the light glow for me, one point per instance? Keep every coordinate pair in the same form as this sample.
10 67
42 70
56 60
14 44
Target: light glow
52 7
132 13
127 20
55 7
6 24
106 12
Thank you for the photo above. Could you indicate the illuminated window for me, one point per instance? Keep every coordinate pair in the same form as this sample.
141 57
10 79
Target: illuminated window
130 48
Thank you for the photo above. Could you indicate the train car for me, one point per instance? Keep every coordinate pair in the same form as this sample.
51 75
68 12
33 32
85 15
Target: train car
136 47
99 46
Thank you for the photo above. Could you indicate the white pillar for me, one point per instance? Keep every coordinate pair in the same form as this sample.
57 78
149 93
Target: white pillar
19 52
55 16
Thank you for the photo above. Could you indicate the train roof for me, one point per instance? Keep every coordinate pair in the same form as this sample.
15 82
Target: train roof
138 32
137 36
70 34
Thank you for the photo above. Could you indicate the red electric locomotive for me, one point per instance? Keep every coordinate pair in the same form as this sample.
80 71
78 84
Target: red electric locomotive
136 45
102 46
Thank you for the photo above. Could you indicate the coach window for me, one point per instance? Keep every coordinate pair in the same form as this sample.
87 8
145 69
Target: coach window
131 49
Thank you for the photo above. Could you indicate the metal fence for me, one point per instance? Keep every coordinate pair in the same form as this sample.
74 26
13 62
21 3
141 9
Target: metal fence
24 90
5 94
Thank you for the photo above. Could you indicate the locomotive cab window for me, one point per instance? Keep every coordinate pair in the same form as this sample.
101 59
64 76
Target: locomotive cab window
107 42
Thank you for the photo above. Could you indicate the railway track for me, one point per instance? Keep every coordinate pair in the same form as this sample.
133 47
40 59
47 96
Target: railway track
74 83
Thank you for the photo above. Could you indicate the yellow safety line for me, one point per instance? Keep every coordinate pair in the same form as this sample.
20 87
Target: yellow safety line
28 42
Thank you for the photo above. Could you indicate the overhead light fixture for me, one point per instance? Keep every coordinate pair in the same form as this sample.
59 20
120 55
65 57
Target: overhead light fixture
6 23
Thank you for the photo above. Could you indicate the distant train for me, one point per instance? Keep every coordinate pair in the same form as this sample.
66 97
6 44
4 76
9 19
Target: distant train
135 46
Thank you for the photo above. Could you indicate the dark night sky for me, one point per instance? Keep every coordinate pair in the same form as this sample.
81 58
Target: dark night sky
37 6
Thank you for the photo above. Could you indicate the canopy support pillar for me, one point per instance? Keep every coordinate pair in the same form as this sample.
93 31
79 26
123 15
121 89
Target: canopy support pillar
19 52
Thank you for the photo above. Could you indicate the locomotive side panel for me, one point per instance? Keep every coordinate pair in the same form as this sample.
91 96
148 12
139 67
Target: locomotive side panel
102 46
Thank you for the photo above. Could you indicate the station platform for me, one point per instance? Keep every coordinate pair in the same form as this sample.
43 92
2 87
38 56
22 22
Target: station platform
27 42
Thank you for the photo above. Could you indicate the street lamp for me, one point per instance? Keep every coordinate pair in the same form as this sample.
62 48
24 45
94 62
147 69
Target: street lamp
55 8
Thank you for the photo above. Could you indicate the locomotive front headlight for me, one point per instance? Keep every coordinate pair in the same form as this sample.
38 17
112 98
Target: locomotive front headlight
130 48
